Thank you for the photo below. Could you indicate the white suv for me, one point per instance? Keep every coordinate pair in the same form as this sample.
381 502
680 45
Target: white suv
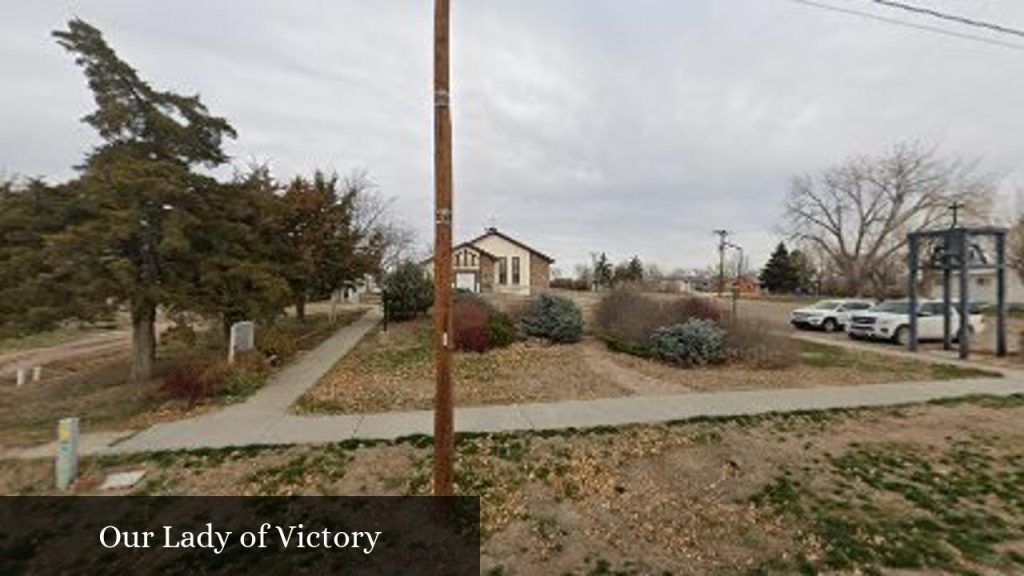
828 315
891 321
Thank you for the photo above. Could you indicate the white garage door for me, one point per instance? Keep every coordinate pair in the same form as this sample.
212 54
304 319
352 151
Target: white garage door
465 281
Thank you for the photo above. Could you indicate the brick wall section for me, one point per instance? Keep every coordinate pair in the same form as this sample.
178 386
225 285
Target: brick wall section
486 274
540 274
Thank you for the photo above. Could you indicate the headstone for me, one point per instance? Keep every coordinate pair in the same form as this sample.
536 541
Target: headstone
21 377
243 338
122 480
67 452
37 373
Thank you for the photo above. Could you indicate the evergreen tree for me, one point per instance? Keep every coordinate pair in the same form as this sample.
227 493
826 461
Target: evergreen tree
778 275
241 253
629 272
635 270
140 201
603 273
804 271
408 292
326 246
30 300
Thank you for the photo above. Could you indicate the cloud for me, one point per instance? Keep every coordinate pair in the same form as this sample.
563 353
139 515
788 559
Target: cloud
580 126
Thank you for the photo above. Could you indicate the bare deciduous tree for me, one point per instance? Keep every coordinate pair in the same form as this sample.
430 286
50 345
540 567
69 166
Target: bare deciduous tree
388 239
857 214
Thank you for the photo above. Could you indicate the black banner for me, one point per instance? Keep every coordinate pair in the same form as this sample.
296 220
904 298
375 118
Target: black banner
140 535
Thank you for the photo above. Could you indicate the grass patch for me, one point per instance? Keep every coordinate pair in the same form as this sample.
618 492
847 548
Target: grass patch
905 507
824 356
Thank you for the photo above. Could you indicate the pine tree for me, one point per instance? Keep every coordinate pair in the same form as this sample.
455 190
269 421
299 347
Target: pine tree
140 199
629 272
603 272
241 253
30 301
804 271
778 275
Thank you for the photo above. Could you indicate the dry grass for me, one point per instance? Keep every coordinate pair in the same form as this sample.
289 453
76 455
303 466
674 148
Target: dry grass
394 371
96 389
767 495
818 365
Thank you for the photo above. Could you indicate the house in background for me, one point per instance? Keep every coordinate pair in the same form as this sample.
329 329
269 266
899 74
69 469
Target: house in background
981 286
496 262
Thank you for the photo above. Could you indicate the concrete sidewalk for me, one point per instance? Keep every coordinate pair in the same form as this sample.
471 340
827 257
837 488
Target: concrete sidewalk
291 429
264 418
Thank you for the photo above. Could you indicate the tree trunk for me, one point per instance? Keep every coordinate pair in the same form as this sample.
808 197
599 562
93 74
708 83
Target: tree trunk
143 342
300 308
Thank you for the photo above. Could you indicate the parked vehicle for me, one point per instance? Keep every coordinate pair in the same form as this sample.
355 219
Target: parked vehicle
891 321
828 315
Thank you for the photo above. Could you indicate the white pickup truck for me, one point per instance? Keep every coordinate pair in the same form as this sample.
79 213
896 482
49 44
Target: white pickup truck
890 320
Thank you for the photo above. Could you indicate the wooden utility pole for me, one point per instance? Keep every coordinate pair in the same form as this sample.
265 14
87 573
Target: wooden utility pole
723 241
444 417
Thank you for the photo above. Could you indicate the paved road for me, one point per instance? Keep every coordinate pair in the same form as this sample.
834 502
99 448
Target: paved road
264 418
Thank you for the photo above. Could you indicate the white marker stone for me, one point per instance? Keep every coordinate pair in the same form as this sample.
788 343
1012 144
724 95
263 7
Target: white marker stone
37 373
243 338
122 480
21 377
67 452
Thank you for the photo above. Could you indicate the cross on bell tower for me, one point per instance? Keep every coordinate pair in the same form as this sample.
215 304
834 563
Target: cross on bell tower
955 208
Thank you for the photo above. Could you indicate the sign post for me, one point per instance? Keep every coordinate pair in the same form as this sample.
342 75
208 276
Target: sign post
67 452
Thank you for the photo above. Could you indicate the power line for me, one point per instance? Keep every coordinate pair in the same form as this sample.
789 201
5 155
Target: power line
951 17
904 23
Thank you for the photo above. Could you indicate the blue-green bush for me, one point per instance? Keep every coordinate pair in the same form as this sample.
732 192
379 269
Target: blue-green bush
555 318
692 343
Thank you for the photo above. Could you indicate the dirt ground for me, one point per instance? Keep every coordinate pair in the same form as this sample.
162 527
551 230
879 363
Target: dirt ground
393 371
932 489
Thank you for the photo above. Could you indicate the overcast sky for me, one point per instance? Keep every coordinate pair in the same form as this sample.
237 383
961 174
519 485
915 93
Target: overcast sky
626 126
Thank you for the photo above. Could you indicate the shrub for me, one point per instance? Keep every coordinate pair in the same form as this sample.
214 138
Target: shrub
555 318
237 380
580 285
692 343
470 318
618 343
502 330
626 314
695 307
754 343
479 327
186 382
276 341
408 292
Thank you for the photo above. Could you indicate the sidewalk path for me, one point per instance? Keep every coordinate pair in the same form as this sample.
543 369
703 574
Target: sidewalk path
264 420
